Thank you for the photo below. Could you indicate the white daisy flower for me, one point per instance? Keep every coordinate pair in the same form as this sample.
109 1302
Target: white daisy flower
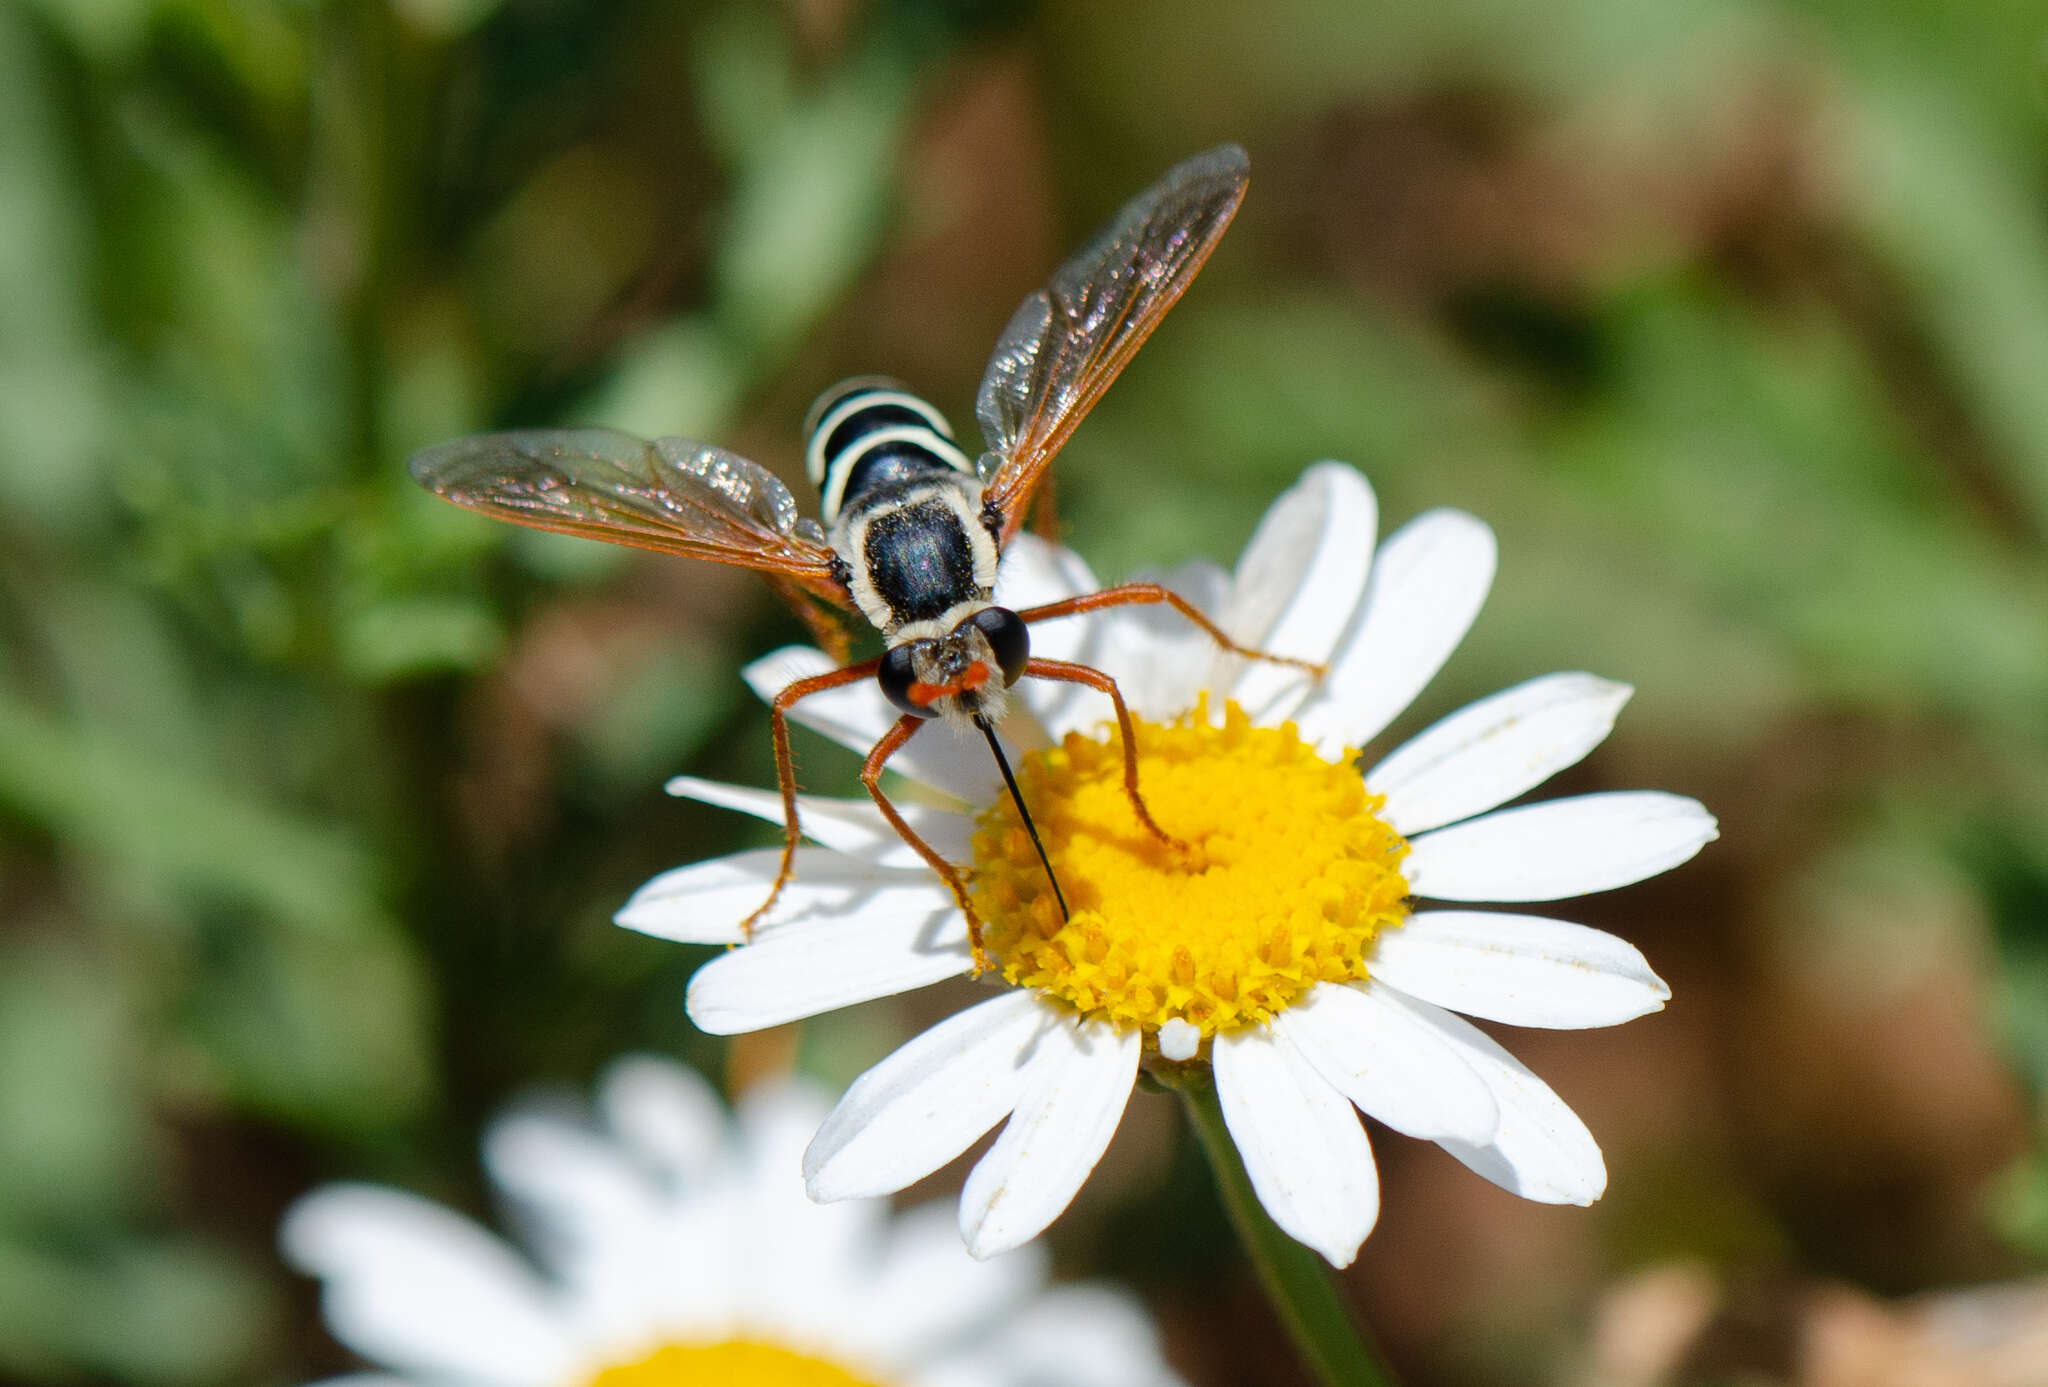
673 1248
1292 956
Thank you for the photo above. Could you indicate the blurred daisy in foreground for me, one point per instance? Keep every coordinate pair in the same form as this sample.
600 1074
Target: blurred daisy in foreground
1286 954
675 1248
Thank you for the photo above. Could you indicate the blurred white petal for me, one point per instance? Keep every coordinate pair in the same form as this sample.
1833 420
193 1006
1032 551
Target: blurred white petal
1075 1336
664 1112
425 1291
927 1296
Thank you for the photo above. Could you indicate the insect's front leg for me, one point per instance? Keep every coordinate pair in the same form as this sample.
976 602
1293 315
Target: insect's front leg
785 768
1149 594
871 776
1066 673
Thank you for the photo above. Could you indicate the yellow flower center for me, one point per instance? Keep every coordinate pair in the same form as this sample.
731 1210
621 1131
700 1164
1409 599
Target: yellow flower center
1290 875
734 1363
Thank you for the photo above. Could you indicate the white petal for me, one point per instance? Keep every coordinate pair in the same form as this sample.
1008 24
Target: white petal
777 1117
1159 659
854 827
803 1263
1562 847
1394 1067
1427 584
423 1290
926 1292
864 719
929 1101
1541 1150
594 1218
857 716
898 940
1489 752
665 1112
1298 583
703 903
575 1190
1033 573
1075 1090
1520 969
1303 1147
1076 1336
706 902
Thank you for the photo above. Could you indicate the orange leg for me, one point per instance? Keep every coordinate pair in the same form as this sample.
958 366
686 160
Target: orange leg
1066 673
785 768
871 776
1146 594
819 618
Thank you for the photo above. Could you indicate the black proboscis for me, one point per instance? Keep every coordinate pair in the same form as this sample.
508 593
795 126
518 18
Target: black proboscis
1030 828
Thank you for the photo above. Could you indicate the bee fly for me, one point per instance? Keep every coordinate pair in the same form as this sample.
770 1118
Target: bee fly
910 529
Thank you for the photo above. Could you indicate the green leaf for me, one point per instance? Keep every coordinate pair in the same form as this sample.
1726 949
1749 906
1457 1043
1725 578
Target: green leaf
317 1031
404 638
680 378
74 1139
107 797
161 1313
809 207
656 716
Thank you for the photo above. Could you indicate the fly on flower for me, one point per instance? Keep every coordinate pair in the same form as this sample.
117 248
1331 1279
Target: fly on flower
910 529
1312 964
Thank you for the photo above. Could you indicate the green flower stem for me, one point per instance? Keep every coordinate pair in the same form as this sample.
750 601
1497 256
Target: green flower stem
1296 1281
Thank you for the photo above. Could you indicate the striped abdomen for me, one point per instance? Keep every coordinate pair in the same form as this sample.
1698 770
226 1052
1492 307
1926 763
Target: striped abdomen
869 432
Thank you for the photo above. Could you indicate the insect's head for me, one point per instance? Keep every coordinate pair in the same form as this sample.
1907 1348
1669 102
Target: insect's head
965 671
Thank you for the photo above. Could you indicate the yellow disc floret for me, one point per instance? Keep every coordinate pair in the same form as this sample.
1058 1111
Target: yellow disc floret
1287 874
733 1363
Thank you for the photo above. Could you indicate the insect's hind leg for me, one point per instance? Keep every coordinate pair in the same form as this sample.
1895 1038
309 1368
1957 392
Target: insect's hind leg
871 776
1067 673
1151 594
785 769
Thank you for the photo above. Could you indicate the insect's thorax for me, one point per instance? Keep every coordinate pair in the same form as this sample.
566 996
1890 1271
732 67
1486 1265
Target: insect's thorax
902 508
918 556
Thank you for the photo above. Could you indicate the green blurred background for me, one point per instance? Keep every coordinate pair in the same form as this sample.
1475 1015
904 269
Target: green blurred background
316 795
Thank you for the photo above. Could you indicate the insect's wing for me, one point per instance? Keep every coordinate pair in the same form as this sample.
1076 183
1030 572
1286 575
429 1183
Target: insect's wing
1066 343
674 494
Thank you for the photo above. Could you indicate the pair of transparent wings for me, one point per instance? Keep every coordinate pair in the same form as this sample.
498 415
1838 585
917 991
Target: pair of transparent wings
1060 351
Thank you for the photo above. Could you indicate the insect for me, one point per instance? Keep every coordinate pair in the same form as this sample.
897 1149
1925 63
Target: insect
909 529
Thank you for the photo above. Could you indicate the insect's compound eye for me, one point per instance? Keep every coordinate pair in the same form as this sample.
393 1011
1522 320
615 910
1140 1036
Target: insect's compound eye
896 676
1007 638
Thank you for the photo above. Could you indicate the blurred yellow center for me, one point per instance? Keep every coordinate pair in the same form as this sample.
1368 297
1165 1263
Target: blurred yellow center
1291 875
735 1363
